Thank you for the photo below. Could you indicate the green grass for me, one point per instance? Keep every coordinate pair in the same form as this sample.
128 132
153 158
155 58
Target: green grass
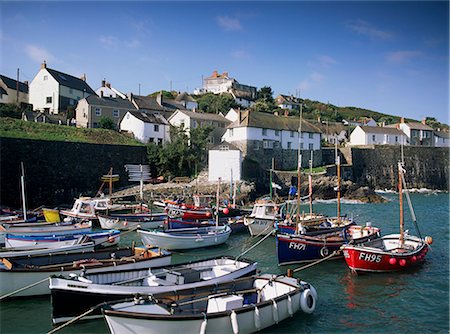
14 128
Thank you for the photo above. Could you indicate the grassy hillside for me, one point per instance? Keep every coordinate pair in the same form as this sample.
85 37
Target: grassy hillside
14 128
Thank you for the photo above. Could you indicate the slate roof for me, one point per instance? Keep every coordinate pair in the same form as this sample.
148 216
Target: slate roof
12 84
148 117
269 121
150 103
112 102
231 147
184 97
203 116
442 134
382 130
287 99
70 81
419 126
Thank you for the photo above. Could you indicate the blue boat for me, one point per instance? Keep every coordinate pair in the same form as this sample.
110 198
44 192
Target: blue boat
299 248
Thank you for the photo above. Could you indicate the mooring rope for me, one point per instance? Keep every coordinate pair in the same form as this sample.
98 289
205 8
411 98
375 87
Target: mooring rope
317 262
23 288
256 244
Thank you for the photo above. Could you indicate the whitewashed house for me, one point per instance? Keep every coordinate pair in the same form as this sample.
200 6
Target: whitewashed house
441 139
9 92
146 127
53 92
190 120
360 122
417 133
92 109
106 90
287 102
224 161
376 135
263 136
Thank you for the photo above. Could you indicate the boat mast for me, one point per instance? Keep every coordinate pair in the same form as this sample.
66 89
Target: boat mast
338 172
299 165
22 182
310 184
217 202
400 198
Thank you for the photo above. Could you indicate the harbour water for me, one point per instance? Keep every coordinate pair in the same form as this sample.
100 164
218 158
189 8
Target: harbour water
412 302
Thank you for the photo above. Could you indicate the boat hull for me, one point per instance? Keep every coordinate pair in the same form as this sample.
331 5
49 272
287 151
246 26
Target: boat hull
259 226
175 240
129 222
70 298
366 258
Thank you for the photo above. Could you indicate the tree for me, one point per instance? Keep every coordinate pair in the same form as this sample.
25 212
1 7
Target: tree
165 94
214 104
106 123
265 94
10 110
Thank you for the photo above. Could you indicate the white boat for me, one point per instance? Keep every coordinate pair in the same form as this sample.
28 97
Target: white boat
187 238
27 251
87 207
253 304
264 216
73 294
45 229
128 221
108 238
20 272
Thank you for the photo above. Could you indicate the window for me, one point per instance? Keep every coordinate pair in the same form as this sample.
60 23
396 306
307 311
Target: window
84 115
98 111
160 141
373 138
311 135
301 136
426 134
49 99
268 144
115 113
292 134
277 132
264 132
301 146
414 133
182 124
386 138
194 123
231 132
45 77
396 139
276 144
150 140
289 145
311 147
156 127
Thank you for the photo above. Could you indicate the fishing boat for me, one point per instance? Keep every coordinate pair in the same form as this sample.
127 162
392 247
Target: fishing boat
27 251
51 215
109 238
393 252
247 306
74 294
87 208
299 248
32 271
187 238
128 221
44 229
265 215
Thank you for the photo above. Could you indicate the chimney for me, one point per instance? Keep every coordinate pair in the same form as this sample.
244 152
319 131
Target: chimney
215 74
26 82
108 84
44 65
101 93
159 98
402 120
225 74
424 121
130 96
83 77
103 83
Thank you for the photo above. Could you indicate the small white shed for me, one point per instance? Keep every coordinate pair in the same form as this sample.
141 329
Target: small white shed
225 161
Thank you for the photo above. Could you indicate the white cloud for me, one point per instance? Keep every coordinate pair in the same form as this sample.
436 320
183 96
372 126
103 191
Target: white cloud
326 61
401 56
108 40
38 54
364 28
228 23
312 80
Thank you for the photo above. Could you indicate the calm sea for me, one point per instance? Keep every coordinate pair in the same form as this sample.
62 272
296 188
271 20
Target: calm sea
413 302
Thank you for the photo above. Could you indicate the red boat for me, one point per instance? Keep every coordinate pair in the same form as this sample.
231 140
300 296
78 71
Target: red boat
394 252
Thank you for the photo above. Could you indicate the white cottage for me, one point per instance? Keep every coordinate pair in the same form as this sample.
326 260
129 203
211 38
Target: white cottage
376 135
224 161
268 131
52 91
147 127
106 90
441 139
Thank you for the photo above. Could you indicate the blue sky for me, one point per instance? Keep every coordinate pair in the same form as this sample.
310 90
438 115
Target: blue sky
391 57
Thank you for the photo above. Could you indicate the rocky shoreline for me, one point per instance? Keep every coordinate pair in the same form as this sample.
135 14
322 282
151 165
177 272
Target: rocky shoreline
323 189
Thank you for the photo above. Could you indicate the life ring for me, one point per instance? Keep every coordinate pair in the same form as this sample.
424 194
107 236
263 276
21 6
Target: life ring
307 301
324 251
